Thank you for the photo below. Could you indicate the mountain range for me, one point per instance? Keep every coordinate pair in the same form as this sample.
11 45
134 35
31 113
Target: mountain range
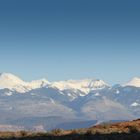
43 105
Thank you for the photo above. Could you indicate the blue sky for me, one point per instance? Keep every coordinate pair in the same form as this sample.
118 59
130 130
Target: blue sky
70 39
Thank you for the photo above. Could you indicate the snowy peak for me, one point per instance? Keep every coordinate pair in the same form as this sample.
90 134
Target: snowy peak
39 83
134 82
8 80
12 82
27 86
97 84
85 85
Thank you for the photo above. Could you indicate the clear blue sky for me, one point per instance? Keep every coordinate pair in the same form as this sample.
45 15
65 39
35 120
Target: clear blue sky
70 39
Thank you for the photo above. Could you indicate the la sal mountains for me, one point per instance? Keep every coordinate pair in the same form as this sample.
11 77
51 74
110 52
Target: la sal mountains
45 105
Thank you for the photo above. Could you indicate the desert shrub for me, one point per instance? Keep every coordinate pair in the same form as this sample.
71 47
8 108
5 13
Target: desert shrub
89 132
57 132
106 125
41 134
22 133
74 131
133 129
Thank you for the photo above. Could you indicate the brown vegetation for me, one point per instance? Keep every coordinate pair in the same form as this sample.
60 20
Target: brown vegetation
107 131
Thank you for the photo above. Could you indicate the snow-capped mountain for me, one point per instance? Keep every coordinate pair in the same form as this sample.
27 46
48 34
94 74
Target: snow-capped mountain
71 100
85 85
135 82
12 82
8 80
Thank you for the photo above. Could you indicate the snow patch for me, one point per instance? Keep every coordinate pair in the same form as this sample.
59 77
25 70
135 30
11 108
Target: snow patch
52 101
134 104
97 94
8 93
117 91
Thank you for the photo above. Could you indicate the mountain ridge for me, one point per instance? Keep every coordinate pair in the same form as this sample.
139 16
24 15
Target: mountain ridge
84 100
10 81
